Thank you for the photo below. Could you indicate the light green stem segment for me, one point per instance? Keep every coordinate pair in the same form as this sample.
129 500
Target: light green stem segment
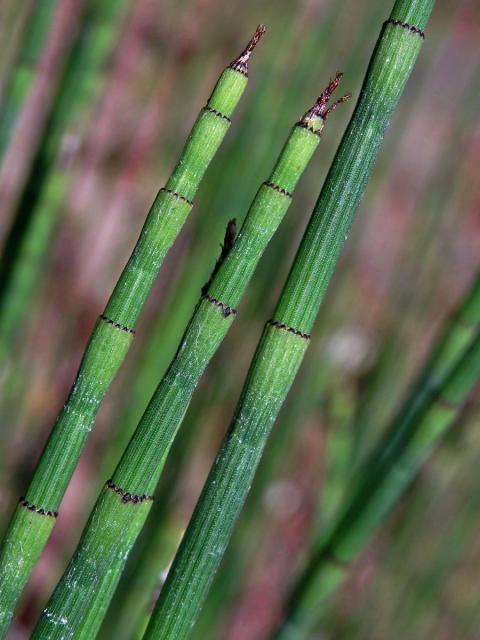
141 465
24 541
113 332
381 482
283 343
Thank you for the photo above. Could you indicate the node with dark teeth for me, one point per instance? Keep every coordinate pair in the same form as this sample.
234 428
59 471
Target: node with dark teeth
320 108
240 64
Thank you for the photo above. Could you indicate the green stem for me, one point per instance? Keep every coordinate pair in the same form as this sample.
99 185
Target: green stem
19 83
111 532
285 338
381 481
112 336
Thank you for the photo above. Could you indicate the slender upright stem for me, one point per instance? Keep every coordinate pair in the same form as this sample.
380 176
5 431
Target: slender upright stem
286 336
123 504
113 333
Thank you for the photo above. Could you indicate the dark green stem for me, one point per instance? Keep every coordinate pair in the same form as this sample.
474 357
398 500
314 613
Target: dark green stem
285 338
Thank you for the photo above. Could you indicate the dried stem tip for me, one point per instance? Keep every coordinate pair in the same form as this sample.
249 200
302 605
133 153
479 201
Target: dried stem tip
320 109
241 63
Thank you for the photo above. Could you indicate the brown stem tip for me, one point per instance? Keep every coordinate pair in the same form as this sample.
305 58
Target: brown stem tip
320 108
241 63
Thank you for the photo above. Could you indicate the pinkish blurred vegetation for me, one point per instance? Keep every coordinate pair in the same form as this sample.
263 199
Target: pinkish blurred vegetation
412 252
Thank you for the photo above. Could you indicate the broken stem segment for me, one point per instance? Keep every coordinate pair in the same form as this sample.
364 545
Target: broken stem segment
110 341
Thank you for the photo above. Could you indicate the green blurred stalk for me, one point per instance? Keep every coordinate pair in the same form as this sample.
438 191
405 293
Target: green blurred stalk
26 247
418 260
338 450
429 410
20 81
13 25
285 338
115 521
35 515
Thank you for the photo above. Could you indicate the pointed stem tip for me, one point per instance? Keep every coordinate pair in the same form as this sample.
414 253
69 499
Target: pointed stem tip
320 109
241 63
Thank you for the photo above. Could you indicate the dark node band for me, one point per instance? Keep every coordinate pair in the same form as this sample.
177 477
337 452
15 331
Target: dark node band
405 25
177 195
217 113
126 496
117 325
274 186
225 309
240 67
285 327
41 512
304 125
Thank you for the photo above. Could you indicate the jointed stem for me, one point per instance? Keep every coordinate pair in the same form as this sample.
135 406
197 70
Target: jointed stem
110 341
286 336
111 532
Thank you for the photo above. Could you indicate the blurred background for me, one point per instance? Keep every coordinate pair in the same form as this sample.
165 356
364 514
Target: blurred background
97 98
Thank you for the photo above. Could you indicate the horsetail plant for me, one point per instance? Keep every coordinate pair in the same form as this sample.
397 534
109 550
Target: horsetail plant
113 333
286 337
82 595
429 410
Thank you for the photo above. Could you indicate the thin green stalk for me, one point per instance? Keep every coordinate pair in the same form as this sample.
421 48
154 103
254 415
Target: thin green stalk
458 334
338 450
13 26
123 504
382 481
26 246
35 515
286 336
20 82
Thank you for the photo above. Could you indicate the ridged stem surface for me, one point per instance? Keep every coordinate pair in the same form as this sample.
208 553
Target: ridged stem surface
111 338
285 338
90 578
